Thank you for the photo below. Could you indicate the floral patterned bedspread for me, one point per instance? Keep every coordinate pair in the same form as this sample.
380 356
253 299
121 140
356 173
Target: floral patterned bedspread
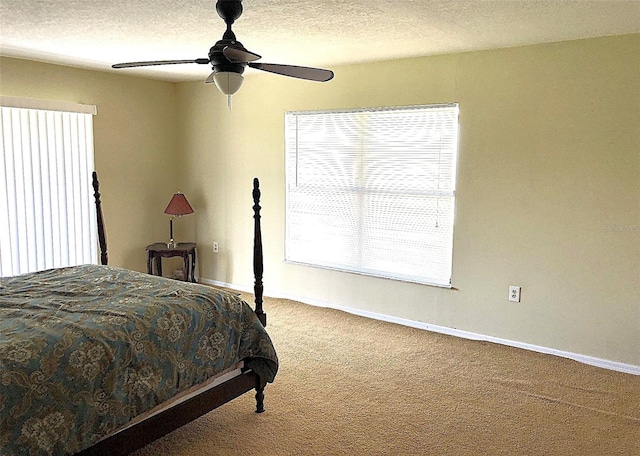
85 349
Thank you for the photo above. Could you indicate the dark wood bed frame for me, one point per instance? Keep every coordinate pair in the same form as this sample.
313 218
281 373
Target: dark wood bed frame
171 419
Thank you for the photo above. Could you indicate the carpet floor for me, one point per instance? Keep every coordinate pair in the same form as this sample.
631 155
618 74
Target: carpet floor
348 385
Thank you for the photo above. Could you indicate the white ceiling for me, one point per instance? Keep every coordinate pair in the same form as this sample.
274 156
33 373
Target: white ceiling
325 33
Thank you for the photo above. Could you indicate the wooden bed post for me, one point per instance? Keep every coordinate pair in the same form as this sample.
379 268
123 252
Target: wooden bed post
260 396
102 239
257 254
258 288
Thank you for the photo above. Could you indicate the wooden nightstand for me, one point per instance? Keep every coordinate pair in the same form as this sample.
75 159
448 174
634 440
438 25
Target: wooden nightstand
159 250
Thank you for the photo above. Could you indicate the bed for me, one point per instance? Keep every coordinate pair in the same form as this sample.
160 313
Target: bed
101 360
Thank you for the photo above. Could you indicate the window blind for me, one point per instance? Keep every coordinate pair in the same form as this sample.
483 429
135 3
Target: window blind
373 191
47 215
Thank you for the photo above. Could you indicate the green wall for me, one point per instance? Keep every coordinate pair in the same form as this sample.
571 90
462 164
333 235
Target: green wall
135 143
548 183
548 162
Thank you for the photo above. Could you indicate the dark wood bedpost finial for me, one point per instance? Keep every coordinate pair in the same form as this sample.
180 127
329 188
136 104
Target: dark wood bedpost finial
257 253
102 239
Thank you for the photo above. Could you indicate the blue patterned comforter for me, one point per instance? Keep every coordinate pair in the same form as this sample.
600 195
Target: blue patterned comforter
85 349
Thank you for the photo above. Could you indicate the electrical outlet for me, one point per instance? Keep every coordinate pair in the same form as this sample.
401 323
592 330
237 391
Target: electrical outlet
514 294
215 247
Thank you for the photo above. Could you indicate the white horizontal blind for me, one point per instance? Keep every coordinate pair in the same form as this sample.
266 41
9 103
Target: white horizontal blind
47 215
373 191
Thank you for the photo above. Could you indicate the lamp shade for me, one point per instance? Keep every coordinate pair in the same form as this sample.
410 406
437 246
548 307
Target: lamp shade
228 82
178 205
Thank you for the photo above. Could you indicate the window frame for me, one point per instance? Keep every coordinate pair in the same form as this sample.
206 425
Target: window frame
292 160
47 152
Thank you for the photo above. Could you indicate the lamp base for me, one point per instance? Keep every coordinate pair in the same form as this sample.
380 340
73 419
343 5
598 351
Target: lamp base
171 244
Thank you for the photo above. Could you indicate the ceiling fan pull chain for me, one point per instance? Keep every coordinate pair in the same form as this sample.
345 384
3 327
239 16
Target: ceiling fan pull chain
229 95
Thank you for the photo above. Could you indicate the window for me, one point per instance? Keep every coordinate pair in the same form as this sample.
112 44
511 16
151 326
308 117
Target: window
373 191
47 212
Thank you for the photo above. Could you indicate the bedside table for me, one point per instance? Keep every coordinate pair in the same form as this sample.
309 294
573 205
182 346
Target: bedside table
186 250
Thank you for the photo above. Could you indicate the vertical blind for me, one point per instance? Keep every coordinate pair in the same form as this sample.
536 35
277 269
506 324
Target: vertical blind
47 218
373 191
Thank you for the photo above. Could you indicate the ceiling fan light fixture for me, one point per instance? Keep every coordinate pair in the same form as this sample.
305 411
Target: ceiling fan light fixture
228 82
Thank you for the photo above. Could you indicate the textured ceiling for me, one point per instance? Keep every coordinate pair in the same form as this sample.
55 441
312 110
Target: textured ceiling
325 33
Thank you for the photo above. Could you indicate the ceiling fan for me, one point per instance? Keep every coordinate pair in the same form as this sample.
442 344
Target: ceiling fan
228 57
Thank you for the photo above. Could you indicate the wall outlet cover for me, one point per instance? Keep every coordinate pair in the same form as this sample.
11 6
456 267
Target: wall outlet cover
514 293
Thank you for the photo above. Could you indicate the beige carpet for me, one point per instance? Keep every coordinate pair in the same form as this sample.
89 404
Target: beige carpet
352 386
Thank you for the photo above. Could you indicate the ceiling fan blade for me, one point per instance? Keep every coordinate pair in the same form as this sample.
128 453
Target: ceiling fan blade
300 72
158 62
237 55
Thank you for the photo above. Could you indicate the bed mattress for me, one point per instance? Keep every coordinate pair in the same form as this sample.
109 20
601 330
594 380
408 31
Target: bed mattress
86 349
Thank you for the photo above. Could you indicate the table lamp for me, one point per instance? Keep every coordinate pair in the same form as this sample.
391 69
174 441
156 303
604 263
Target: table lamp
178 206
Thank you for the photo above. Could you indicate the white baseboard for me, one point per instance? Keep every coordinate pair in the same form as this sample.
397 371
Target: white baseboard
232 286
590 360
